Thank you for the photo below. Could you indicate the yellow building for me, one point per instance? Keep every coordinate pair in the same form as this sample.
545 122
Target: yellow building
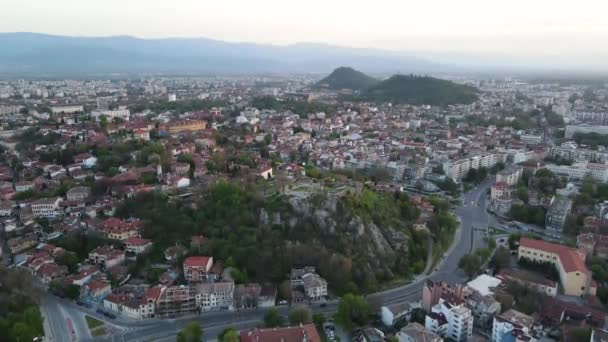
175 127
574 276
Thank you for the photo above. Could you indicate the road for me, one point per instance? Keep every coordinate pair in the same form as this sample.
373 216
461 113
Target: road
469 236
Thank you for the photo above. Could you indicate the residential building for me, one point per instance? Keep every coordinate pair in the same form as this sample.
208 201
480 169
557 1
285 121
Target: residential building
593 244
137 245
106 256
392 313
95 291
24 186
415 332
46 207
510 176
458 169
432 291
558 213
512 326
110 115
303 333
579 171
315 286
179 126
571 152
451 320
500 190
198 268
584 129
484 308
575 278
67 109
175 300
215 296
117 229
79 193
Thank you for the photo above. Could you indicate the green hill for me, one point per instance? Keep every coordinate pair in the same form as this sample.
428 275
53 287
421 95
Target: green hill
347 78
420 90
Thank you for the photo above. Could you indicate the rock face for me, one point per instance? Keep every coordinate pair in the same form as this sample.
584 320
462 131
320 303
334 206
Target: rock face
334 221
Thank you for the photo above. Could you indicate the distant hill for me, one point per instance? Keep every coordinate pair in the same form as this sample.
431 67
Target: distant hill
347 78
419 90
40 55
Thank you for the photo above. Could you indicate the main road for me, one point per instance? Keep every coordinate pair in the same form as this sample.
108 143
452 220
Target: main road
469 236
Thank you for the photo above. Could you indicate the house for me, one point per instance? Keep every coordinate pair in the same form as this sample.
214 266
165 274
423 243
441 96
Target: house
264 171
24 186
267 297
247 296
7 208
303 333
46 207
48 272
512 325
315 287
215 296
117 229
174 252
198 268
79 193
420 224
106 256
95 291
392 313
137 245
450 319
415 332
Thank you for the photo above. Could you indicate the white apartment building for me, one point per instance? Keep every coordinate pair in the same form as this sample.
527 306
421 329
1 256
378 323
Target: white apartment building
580 171
459 168
67 109
510 176
215 296
512 325
573 129
46 207
123 114
450 320
571 152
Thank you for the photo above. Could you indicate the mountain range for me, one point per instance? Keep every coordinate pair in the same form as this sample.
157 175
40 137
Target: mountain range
32 54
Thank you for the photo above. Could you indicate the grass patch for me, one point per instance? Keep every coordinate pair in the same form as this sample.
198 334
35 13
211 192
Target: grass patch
96 327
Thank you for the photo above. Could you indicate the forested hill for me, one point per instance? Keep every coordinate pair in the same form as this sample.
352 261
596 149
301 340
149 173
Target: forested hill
347 78
420 90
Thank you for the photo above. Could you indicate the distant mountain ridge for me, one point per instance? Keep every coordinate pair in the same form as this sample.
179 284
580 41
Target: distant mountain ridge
32 54
347 78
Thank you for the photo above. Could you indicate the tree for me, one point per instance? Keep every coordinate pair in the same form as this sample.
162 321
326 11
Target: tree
319 320
300 315
502 258
72 291
352 311
470 264
272 318
192 332
228 335
70 260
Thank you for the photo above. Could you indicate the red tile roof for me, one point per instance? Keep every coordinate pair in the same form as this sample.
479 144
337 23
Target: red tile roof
196 261
290 334
572 259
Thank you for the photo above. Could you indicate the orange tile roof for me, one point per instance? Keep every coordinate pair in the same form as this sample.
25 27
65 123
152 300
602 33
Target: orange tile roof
572 259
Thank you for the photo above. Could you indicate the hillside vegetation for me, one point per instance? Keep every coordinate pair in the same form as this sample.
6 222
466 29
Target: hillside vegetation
347 78
420 90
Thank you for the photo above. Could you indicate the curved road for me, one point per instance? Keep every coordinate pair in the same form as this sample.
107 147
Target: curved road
469 236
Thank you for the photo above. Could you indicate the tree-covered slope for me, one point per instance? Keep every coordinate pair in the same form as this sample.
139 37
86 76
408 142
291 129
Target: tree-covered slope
420 90
347 78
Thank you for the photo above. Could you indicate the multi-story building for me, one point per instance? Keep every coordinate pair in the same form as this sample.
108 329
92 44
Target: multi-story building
46 207
106 256
571 152
593 244
574 276
432 291
137 245
451 320
176 300
67 109
123 114
78 193
579 171
179 126
510 176
558 213
571 130
512 326
415 332
198 268
315 286
499 190
24 186
458 169
215 296
117 229
301 333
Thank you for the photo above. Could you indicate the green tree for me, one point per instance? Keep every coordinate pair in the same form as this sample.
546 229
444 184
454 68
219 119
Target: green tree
319 320
272 318
72 291
300 315
192 332
229 335
502 258
470 264
352 311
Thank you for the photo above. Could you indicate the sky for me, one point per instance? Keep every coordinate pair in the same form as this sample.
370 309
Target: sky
538 28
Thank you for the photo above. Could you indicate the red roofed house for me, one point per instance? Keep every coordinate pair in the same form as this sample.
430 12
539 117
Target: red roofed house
137 245
305 333
114 228
198 268
570 263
